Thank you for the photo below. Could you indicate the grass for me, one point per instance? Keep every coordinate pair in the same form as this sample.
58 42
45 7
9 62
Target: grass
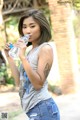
13 114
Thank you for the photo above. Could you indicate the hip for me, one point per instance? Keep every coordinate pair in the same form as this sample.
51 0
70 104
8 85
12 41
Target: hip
44 110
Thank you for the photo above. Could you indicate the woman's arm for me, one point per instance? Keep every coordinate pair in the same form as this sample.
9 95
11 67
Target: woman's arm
14 69
44 65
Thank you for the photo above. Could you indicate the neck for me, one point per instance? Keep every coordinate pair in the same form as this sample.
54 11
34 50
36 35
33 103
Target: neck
34 46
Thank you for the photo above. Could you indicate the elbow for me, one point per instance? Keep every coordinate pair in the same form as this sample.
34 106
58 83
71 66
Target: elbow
38 87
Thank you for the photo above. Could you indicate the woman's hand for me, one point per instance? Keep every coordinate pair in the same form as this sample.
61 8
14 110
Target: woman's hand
22 48
6 49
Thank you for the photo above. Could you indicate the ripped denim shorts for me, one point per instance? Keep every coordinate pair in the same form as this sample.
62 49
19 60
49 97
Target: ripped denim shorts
44 110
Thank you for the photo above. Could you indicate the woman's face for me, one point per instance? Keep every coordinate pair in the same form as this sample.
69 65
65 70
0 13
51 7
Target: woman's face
30 26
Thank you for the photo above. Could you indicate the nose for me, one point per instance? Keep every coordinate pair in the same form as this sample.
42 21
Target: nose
28 30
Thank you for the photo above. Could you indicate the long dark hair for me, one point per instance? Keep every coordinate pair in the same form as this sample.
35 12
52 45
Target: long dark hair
40 18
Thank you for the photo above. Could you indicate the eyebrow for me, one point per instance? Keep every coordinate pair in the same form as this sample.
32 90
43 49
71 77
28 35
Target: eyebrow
30 24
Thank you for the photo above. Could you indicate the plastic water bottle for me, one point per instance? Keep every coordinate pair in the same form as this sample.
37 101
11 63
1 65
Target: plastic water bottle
14 51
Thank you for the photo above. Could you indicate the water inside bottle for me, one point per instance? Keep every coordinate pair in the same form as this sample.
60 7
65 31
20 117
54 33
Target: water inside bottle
14 51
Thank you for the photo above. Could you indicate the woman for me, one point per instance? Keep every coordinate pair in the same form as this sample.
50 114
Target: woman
35 67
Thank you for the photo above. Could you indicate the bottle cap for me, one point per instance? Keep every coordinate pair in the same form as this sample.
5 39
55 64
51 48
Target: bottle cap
11 45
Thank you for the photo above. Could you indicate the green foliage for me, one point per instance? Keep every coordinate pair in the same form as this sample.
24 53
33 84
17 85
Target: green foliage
4 73
76 4
9 80
76 24
2 70
55 89
12 29
12 21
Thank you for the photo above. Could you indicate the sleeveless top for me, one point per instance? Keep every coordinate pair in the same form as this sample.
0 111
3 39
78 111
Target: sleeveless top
28 95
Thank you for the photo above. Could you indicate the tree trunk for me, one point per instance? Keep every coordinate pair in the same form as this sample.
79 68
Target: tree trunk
65 44
2 31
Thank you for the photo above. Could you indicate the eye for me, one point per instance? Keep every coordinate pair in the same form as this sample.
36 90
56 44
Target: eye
32 26
24 27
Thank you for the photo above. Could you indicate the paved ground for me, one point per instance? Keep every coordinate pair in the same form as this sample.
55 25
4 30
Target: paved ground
69 105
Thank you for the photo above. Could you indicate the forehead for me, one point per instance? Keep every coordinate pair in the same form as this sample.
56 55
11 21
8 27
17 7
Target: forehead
29 20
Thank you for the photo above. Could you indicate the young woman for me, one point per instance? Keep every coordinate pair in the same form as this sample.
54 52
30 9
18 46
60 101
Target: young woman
35 67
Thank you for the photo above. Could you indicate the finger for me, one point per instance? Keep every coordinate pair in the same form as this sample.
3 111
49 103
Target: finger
20 41
7 46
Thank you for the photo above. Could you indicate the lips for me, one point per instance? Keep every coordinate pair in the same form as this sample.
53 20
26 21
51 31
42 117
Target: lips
30 36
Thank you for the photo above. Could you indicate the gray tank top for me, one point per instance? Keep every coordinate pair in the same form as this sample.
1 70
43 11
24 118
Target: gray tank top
29 96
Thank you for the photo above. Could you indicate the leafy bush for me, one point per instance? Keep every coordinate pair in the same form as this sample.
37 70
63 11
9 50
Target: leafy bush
55 89
5 74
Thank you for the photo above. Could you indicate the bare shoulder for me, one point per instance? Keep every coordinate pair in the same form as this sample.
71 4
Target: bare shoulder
46 53
47 49
45 60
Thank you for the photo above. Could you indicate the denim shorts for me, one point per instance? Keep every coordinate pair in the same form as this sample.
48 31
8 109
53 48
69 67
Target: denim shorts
44 110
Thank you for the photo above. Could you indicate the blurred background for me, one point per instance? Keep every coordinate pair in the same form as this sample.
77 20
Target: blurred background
64 77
